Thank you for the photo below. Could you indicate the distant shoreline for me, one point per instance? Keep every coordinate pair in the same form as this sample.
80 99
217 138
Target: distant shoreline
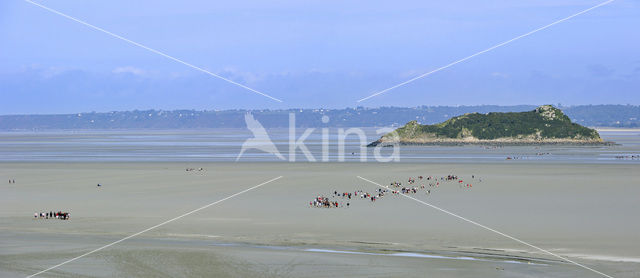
80 130
625 116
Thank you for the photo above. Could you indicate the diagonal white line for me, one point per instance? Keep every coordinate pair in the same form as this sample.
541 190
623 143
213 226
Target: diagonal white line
152 50
487 228
156 226
484 51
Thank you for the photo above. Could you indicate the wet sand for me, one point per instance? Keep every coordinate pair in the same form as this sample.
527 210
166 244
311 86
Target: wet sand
584 211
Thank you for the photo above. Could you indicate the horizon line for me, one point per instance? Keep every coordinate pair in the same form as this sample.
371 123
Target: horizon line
316 108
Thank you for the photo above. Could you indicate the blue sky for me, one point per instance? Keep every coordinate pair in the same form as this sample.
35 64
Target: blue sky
314 54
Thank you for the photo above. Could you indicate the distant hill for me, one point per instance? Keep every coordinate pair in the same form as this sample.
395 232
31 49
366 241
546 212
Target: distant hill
543 125
587 115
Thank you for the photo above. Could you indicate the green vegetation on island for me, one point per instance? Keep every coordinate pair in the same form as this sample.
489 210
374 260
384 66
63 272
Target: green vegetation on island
544 125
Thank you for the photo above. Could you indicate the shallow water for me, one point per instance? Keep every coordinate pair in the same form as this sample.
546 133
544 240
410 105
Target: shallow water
220 145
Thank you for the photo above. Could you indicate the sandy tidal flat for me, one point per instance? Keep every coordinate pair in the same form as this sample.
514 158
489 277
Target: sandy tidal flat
586 212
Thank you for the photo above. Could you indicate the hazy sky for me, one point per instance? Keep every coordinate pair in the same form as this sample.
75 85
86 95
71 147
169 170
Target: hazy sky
314 54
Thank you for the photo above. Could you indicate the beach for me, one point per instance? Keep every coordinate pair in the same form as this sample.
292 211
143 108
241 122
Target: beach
584 211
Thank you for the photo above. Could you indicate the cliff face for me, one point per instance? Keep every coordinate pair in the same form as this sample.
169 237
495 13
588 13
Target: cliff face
544 125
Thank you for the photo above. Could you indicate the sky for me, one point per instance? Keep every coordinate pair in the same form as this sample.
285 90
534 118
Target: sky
314 54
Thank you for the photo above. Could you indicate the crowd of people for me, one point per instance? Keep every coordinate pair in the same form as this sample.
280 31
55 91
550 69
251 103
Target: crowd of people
631 156
520 157
194 169
414 186
52 215
324 202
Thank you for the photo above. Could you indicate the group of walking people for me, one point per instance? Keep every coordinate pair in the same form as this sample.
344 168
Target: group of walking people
194 169
396 188
631 156
52 215
324 202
